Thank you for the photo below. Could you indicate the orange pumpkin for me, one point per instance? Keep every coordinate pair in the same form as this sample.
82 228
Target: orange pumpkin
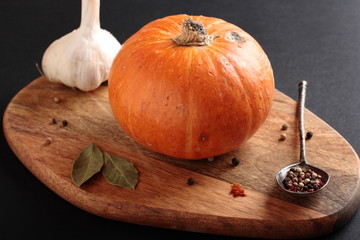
191 87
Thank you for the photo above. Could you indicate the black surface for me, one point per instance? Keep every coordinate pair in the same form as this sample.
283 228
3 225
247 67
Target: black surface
314 40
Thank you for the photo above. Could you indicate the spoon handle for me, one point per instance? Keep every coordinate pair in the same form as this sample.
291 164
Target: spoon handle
301 107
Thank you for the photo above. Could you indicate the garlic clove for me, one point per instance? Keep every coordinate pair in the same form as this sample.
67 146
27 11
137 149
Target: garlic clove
83 57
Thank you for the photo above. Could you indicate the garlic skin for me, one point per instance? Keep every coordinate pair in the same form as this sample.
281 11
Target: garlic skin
83 57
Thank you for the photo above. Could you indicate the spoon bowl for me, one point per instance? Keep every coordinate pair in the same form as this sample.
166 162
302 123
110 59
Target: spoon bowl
303 164
282 174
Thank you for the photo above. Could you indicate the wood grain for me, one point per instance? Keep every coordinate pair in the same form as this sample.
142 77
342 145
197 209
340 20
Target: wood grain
162 198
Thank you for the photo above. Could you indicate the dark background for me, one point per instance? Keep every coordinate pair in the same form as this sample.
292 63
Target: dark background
314 40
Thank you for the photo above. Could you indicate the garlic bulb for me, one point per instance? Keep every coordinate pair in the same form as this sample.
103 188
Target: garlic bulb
83 57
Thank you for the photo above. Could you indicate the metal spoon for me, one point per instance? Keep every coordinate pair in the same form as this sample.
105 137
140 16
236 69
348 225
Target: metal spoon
281 175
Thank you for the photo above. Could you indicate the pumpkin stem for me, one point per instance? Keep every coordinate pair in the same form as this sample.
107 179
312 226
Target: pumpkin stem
193 34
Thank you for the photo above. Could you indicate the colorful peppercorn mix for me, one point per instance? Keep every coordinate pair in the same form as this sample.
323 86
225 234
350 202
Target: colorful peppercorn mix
302 180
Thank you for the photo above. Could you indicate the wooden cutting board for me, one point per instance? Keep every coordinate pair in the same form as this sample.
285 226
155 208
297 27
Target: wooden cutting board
162 197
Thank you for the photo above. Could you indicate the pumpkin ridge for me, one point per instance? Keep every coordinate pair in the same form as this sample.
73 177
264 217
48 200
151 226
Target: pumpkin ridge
214 72
163 33
171 19
152 42
129 118
132 104
159 22
214 49
255 124
247 99
212 66
248 94
212 30
189 125
214 23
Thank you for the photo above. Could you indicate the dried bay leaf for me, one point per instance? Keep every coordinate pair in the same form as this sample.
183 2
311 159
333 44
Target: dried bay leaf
116 170
119 171
89 162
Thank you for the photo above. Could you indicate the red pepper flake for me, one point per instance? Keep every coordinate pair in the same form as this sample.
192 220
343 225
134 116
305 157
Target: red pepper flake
237 190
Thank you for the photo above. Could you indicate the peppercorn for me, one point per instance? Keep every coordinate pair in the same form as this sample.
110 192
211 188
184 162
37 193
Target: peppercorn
65 123
309 135
282 136
306 181
190 181
235 161
54 121
48 140
284 127
56 99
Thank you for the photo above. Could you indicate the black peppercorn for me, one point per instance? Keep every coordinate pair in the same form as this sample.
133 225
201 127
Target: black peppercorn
65 123
190 181
235 161
54 121
309 135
